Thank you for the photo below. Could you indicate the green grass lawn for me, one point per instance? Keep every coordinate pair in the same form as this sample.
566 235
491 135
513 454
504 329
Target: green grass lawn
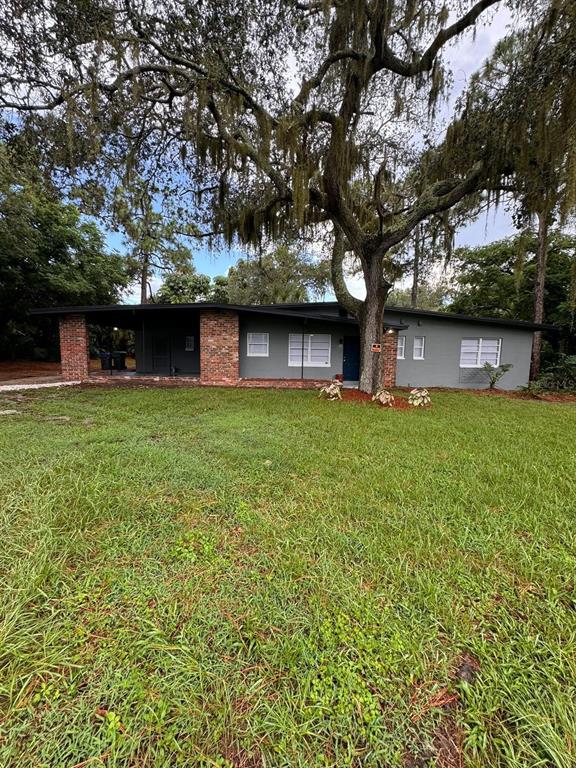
255 578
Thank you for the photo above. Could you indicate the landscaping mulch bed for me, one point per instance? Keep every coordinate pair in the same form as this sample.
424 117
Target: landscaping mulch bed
546 397
356 396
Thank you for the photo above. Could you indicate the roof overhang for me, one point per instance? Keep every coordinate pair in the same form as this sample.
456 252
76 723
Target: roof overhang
397 318
129 315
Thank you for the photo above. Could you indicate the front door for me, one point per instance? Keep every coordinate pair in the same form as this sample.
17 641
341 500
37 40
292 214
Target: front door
351 358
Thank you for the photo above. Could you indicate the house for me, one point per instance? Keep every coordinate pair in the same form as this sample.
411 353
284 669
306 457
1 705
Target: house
297 345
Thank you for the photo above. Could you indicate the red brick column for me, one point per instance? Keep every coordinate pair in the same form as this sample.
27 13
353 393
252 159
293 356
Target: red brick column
219 347
74 347
389 357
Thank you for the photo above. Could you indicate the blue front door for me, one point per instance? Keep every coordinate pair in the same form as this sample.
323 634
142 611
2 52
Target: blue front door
351 358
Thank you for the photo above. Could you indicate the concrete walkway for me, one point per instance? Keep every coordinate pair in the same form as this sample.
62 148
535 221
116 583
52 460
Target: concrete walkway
42 382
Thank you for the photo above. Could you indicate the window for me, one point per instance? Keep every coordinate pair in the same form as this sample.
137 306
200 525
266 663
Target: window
309 349
189 344
419 346
257 345
401 348
475 352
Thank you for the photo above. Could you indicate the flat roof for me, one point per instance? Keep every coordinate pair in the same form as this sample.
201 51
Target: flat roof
454 316
308 310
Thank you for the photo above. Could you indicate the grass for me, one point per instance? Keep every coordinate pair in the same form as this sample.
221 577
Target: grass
254 578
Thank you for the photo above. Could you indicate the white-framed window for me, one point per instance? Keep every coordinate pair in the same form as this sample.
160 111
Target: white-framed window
312 350
257 344
189 345
401 348
419 349
475 352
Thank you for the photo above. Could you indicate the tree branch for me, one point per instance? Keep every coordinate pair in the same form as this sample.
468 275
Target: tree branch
440 197
389 60
349 302
316 80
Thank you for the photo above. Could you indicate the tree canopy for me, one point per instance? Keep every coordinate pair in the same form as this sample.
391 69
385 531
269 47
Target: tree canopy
184 287
49 255
497 280
281 276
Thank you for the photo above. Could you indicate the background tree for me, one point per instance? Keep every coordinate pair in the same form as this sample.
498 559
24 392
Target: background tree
49 255
282 276
220 290
497 280
532 74
154 239
434 295
184 287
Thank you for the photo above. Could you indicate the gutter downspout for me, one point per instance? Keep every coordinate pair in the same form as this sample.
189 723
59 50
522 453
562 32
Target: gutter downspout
302 356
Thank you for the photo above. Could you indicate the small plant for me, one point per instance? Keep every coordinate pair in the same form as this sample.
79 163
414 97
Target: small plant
419 397
332 391
384 397
495 372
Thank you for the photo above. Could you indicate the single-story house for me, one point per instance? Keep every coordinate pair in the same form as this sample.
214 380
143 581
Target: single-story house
299 344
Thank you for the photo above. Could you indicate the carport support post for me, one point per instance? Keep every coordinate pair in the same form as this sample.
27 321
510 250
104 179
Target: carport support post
389 357
74 348
219 347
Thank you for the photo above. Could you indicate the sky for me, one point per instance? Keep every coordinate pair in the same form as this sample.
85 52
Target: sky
465 58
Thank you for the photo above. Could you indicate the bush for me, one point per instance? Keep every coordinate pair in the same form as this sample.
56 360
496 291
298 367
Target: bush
332 391
560 375
495 372
384 397
419 397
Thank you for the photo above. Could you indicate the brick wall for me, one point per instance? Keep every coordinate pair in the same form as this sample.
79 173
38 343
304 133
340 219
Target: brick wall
389 358
219 347
74 347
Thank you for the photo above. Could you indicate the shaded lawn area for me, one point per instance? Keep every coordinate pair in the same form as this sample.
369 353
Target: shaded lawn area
255 578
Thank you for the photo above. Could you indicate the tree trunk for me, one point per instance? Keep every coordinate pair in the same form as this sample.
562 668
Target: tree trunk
369 313
144 281
539 285
371 323
416 270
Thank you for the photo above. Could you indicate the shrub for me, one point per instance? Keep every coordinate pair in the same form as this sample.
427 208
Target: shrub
384 397
495 372
560 375
332 391
419 397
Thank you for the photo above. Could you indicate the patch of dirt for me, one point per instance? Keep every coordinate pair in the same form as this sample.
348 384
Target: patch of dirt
448 739
25 369
356 396
544 397
238 756
466 669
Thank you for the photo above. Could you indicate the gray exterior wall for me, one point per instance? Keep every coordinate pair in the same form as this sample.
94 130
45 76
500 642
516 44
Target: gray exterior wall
276 365
441 366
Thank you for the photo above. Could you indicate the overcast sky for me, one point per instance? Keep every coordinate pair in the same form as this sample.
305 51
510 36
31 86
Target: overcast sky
465 58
